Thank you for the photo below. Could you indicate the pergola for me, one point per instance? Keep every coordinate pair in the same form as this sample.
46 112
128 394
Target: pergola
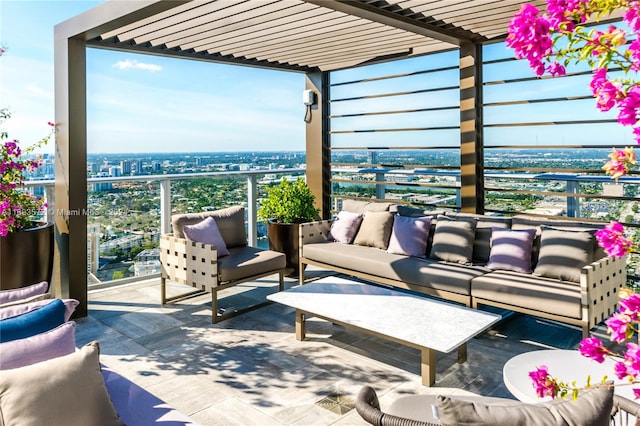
308 36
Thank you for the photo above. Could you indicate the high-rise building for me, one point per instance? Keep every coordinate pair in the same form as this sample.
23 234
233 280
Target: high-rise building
137 167
102 186
93 247
115 171
125 167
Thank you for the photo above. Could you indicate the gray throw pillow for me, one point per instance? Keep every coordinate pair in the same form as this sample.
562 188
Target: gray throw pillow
592 408
375 230
563 253
453 240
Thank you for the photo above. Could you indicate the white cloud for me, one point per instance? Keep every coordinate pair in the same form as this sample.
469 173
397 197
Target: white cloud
133 64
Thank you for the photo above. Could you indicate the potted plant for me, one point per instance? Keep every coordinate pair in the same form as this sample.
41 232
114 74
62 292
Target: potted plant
284 208
26 244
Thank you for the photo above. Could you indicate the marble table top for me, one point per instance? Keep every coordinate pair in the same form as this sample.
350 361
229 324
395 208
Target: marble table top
417 320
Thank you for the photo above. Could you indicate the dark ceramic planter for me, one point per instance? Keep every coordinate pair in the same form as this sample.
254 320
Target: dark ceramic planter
26 257
285 238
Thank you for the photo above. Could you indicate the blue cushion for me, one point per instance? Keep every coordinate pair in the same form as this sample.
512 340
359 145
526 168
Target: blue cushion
35 322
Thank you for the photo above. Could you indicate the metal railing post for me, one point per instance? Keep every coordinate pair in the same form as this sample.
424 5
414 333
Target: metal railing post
252 212
165 206
573 203
380 186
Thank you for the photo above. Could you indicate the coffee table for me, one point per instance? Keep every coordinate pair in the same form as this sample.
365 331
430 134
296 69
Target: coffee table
419 322
566 365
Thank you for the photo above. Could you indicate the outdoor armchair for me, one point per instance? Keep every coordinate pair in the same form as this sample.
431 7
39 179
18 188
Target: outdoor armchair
207 267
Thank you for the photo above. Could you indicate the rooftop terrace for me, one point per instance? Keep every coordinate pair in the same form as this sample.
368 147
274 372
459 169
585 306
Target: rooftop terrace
250 369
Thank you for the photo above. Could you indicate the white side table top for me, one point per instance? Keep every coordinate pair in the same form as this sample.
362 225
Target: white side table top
566 365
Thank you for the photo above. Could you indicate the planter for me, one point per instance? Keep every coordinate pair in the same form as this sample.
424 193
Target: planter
26 257
285 238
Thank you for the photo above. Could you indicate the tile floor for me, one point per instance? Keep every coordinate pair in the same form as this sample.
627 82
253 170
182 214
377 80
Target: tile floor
250 369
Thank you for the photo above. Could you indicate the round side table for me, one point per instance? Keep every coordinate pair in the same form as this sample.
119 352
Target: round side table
566 365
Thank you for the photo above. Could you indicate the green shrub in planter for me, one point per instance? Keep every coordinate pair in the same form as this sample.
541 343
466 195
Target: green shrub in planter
289 202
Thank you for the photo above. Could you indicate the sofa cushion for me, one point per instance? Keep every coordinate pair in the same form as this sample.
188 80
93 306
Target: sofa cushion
409 236
70 306
54 343
375 230
359 206
23 294
511 249
414 272
207 232
31 323
68 390
414 212
529 291
592 408
230 222
482 239
453 240
345 227
245 261
564 253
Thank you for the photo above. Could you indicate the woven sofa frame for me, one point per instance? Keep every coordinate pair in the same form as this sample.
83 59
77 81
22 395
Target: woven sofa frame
599 283
196 264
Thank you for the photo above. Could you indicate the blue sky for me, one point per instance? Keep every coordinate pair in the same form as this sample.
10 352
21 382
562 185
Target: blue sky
142 103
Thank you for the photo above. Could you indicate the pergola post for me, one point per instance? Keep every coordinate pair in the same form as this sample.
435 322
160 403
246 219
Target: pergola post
70 260
317 145
471 144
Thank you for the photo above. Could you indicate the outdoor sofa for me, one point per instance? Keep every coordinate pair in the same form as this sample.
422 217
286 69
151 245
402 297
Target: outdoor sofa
550 268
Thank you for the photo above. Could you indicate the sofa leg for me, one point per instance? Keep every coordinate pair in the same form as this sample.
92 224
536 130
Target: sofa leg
214 306
281 285
585 331
301 274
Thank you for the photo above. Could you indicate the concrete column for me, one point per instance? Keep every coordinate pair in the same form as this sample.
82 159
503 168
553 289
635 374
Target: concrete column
70 258
471 144
318 143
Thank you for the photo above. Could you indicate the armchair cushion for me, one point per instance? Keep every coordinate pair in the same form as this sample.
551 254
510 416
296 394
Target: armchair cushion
207 232
230 222
248 261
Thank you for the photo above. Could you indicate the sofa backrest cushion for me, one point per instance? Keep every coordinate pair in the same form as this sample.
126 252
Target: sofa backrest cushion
528 221
592 408
511 249
359 206
563 253
482 238
375 230
453 240
414 212
207 232
409 236
345 227
230 222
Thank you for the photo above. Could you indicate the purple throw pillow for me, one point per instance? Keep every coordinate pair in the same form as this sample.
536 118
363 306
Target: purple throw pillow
18 294
54 343
409 236
207 232
70 306
345 227
511 249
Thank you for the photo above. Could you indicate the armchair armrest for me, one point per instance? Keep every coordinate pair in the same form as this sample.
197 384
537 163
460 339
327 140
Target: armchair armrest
600 283
315 232
188 262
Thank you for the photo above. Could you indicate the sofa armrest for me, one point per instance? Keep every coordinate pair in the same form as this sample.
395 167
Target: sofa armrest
188 262
600 283
315 232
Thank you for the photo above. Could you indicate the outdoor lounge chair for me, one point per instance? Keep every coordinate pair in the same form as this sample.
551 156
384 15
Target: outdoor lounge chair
415 410
199 264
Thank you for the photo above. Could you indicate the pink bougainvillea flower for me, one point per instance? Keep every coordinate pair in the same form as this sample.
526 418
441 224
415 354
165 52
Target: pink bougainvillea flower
636 393
555 69
620 370
631 306
611 238
529 37
543 382
593 348
605 91
617 326
563 14
620 162
632 16
632 359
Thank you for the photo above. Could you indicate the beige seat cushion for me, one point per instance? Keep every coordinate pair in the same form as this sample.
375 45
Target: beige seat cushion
411 270
528 291
243 262
230 222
